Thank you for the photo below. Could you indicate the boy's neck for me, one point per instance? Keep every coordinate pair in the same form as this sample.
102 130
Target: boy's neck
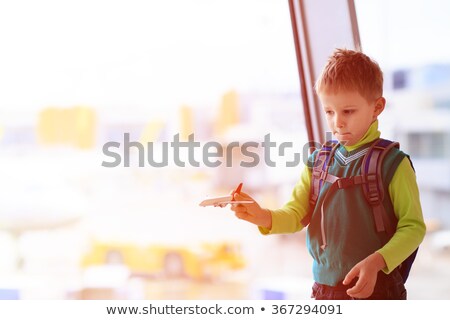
371 134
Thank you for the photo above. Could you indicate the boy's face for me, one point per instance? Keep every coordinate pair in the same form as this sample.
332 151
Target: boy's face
349 115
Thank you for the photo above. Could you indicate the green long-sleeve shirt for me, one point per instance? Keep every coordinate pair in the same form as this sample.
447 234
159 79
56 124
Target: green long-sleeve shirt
404 195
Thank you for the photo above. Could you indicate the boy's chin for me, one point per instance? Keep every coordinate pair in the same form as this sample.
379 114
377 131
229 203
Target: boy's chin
343 141
346 143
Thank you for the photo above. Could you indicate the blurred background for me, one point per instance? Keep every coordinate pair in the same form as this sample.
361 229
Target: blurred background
77 75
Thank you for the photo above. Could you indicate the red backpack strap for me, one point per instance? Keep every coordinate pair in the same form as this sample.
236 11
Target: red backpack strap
374 193
373 188
319 174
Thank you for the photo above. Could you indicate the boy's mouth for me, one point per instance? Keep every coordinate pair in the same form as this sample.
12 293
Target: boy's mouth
342 134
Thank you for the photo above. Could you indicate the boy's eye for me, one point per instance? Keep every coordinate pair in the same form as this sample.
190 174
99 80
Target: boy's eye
328 112
349 111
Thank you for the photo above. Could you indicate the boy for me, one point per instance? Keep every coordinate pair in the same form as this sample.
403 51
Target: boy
350 260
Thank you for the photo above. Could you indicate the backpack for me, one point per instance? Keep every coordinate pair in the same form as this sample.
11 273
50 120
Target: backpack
370 181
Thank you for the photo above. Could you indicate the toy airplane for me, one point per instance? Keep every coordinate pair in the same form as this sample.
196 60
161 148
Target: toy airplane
224 200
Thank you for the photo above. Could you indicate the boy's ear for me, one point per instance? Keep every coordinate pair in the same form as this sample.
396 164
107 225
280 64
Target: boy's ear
380 103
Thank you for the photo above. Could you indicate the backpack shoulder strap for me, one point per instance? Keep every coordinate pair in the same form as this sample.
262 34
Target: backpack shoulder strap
319 173
373 188
374 193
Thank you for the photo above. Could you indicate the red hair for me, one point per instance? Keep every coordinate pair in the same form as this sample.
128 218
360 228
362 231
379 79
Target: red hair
349 70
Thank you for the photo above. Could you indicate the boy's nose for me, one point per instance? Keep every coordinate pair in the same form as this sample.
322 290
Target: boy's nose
338 122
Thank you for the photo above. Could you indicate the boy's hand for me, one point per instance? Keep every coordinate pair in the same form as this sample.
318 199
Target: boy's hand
366 271
252 212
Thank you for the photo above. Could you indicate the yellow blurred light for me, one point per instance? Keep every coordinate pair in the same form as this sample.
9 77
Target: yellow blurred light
74 126
186 122
84 127
152 131
228 112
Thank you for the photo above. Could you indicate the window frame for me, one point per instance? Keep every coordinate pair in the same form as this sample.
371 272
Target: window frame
319 26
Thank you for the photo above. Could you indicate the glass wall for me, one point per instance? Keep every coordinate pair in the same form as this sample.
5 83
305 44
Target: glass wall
105 111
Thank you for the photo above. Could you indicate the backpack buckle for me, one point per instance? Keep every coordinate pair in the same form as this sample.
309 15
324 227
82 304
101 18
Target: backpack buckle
345 183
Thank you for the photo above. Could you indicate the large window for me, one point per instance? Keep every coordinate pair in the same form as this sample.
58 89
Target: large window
81 76
94 91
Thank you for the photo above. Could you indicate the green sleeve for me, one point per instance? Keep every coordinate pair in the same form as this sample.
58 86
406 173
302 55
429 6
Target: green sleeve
287 219
411 228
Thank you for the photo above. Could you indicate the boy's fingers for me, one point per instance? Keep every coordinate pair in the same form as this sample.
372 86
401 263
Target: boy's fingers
246 216
350 276
240 209
238 206
364 291
242 196
357 289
